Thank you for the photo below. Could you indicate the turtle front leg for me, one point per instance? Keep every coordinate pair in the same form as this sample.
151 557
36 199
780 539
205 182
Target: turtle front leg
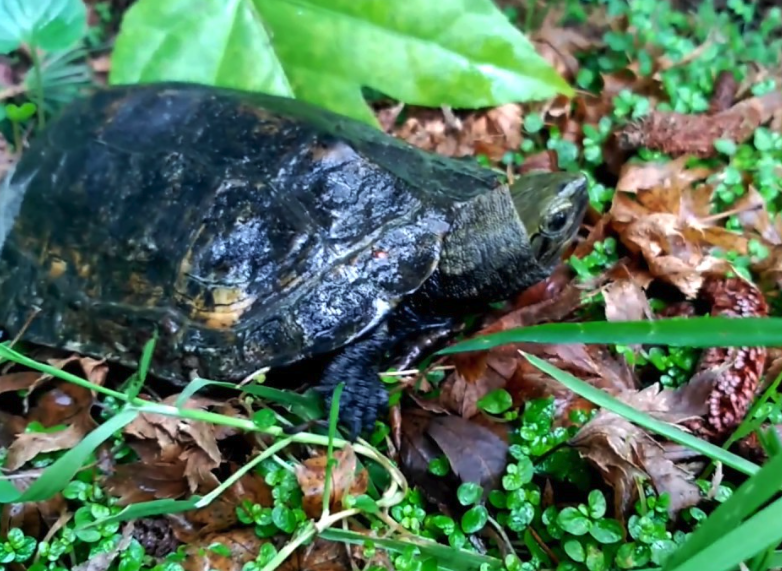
358 364
364 397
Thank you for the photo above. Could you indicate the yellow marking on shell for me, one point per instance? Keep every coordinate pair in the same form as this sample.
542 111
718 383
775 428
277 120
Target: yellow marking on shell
330 154
142 292
57 268
226 311
268 122
186 265
85 271
288 281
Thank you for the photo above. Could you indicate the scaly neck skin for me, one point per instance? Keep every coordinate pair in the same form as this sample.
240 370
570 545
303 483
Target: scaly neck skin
486 257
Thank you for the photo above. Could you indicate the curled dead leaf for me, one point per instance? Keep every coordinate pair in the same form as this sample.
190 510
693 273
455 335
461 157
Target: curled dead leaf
344 480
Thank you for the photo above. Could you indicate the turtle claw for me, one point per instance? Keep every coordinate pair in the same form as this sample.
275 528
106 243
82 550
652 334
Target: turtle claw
364 397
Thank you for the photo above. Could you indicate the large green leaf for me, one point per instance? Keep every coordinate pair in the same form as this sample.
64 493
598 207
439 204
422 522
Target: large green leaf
47 24
462 53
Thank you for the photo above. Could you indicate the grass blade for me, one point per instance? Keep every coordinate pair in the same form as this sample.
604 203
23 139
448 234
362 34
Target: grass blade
146 509
746 499
677 332
756 534
448 558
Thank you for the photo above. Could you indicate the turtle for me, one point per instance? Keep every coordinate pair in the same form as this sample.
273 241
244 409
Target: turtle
247 231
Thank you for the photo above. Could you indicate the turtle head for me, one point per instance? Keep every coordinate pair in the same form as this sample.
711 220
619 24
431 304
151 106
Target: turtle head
550 206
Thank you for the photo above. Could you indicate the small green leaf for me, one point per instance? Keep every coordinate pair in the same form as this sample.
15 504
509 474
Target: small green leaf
50 25
20 113
366 504
496 402
725 146
445 523
595 559
575 550
606 531
498 499
284 519
440 466
220 549
469 493
461 53
573 521
631 555
525 470
474 519
597 504
264 418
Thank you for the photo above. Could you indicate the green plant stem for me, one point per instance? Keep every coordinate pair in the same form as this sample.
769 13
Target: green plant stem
38 85
17 136
236 476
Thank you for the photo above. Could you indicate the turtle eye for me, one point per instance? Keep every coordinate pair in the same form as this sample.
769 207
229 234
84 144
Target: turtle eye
557 220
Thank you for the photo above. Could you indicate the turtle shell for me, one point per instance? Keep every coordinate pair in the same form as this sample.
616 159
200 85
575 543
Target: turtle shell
248 230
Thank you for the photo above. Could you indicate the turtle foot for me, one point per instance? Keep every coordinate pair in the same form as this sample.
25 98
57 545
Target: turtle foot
363 397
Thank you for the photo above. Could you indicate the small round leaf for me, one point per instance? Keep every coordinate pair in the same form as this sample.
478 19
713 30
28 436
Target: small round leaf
606 531
597 504
496 401
469 493
264 418
573 521
474 519
575 550
595 559
284 518
630 555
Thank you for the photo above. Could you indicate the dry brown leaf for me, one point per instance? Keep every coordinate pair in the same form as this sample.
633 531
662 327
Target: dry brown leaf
13 382
476 454
675 246
243 544
344 480
28 445
61 404
221 514
753 214
34 518
655 175
625 300
560 45
622 451
492 132
142 482
725 89
173 440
